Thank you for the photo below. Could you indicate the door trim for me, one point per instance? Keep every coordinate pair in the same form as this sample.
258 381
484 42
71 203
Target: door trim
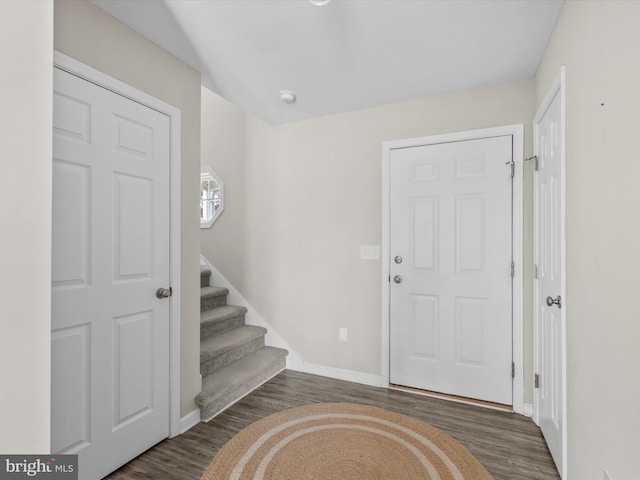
103 80
517 131
558 87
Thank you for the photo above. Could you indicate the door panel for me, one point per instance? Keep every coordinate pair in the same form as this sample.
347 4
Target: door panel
110 334
71 265
71 388
470 221
549 234
450 221
424 313
469 330
133 216
424 238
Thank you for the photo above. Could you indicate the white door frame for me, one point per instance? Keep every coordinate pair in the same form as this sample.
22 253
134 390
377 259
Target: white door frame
517 131
558 87
96 77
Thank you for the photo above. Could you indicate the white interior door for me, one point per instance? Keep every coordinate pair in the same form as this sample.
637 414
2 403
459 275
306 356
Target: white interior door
548 297
110 333
451 254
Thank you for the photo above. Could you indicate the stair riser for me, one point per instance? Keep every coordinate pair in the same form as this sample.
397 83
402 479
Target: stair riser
219 361
211 408
209 303
205 278
214 328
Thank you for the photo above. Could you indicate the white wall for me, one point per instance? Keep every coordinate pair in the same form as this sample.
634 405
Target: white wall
599 42
309 194
84 32
26 52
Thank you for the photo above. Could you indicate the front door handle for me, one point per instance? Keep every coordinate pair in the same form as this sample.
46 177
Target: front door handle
554 301
397 279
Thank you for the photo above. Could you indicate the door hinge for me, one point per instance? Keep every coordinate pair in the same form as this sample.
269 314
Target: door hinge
535 161
513 269
535 271
513 370
536 381
512 164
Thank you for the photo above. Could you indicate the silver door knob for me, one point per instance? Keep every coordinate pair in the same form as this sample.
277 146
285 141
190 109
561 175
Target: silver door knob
397 279
554 301
398 259
164 292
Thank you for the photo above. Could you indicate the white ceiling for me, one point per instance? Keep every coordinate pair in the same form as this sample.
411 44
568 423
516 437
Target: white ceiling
348 54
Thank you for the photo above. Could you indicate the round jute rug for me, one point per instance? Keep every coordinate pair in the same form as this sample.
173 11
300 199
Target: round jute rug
343 441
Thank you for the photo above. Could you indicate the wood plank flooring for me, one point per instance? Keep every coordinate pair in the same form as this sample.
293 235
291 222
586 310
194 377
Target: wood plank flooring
510 446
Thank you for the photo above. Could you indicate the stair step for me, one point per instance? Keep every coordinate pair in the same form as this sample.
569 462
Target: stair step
205 277
221 319
212 297
229 384
225 348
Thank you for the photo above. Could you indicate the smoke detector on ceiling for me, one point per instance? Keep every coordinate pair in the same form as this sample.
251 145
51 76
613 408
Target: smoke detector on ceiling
287 96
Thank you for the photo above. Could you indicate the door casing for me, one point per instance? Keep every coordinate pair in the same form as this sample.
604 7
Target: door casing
92 75
517 131
558 87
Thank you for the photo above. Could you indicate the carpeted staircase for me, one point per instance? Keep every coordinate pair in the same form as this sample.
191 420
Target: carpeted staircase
233 357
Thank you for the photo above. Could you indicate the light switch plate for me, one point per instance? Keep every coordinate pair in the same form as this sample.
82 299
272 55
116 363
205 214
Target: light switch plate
369 252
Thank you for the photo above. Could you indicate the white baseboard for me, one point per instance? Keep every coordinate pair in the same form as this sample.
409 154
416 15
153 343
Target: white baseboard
527 410
190 420
342 374
253 317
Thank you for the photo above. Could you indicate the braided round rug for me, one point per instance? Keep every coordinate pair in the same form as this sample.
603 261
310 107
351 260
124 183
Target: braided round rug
343 441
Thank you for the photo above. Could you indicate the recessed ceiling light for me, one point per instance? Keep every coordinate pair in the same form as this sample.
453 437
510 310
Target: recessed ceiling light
319 3
287 96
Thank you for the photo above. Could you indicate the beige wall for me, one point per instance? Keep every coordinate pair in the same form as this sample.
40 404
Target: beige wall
84 32
224 147
599 42
26 49
309 195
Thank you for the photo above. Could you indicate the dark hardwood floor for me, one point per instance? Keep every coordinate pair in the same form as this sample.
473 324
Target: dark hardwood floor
510 446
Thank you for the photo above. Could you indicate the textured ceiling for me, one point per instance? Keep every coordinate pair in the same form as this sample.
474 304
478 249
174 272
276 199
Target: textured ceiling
348 54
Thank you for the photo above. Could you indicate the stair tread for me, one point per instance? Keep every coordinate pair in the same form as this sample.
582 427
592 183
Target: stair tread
205 277
223 342
223 312
219 382
213 291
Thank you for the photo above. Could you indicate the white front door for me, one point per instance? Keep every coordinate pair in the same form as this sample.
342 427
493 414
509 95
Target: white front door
110 333
451 268
549 286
